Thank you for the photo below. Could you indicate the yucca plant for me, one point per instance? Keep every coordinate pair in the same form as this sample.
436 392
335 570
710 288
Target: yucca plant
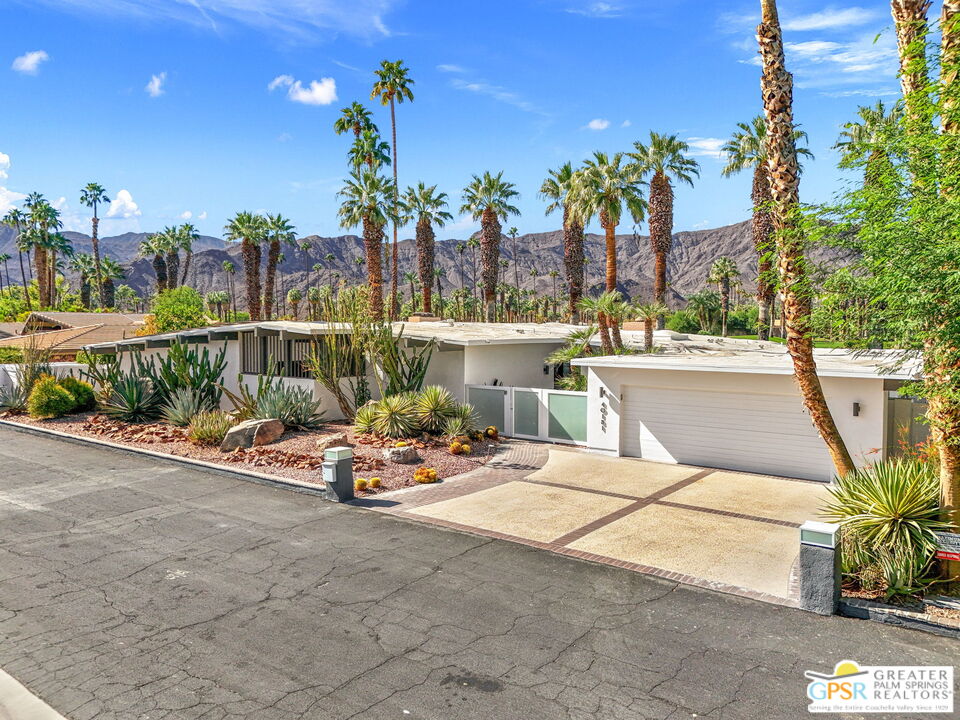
34 365
434 406
133 400
209 427
395 416
294 406
364 419
183 405
462 421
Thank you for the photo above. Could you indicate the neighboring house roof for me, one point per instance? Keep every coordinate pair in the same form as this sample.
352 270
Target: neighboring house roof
81 319
8 329
69 339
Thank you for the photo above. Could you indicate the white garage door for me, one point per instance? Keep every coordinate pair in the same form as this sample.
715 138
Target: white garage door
755 432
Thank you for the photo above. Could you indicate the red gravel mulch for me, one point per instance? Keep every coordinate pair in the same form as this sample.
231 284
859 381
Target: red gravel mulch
294 456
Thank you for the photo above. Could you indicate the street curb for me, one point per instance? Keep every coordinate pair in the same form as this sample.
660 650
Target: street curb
892 615
247 475
18 703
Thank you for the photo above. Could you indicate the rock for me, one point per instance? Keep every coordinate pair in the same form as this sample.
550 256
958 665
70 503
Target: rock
402 455
335 440
251 433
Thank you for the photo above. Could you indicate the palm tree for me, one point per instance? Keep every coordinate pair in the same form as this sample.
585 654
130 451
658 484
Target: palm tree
314 297
557 189
438 274
317 268
278 230
5 259
393 85
487 198
593 306
776 85
722 272
512 233
553 276
705 305
294 297
664 158
473 243
368 199
17 219
249 229
110 271
864 141
648 313
429 208
44 221
170 237
154 245
229 270
126 299
187 235
461 248
354 118
370 150
58 246
747 150
92 195
83 265
410 278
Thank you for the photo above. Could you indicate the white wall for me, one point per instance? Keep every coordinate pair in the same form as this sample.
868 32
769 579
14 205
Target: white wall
863 435
517 365
446 369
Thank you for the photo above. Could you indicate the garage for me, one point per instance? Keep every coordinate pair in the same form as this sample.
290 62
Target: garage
756 432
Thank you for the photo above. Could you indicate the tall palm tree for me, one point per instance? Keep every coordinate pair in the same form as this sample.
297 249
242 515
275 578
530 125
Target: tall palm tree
370 150
512 233
367 200
747 150
776 85
229 270
249 229
170 237
92 195
474 244
187 235
84 266
557 189
18 220
154 245
864 141
438 274
294 297
410 278
488 199
722 273
354 118
44 222
110 272
428 208
58 248
330 259
278 230
393 85
647 313
594 306
663 159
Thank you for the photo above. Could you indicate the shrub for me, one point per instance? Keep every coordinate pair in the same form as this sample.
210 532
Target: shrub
183 405
49 399
425 475
35 365
133 400
178 309
82 393
395 416
291 405
363 420
359 484
10 355
434 406
683 321
463 421
209 427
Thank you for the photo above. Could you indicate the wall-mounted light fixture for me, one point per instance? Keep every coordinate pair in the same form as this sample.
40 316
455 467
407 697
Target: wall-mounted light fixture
603 391
546 369
856 409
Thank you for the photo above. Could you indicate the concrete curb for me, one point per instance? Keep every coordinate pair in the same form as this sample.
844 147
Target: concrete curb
18 703
901 617
248 475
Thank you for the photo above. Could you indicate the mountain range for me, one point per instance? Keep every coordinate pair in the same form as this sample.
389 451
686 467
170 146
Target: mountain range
687 267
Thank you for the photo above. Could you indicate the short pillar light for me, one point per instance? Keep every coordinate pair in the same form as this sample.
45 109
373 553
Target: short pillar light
819 565
338 473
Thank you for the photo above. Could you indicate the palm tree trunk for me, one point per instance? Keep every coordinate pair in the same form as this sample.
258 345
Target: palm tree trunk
40 263
648 334
606 345
250 252
611 238
724 304
661 235
490 261
160 270
186 267
777 93
762 242
23 276
573 261
273 256
394 270
373 242
173 268
425 248
95 241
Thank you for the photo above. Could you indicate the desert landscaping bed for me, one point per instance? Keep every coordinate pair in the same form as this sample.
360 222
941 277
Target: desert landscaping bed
295 455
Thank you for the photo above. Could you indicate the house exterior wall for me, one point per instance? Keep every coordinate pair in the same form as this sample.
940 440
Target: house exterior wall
447 370
864 434
517 365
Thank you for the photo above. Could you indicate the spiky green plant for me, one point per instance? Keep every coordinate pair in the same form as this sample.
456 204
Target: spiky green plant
184 366
133 400
183 405
294 406
462 421
434 405
34 364
395 416
210 427
364 419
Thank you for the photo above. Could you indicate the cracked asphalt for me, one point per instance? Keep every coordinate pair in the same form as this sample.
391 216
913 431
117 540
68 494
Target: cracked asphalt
135 588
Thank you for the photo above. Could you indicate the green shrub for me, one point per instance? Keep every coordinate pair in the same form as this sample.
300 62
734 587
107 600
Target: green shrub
10 355
183 405
133 400
293 406
82 393
463 421
683 321
49 399
395 416
434 406
181 308
209 427
363 420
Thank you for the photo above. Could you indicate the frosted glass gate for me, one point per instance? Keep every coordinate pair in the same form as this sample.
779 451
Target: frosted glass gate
532 413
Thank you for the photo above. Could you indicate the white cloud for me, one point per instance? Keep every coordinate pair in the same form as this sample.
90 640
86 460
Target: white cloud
702 224
831 18
498 93
123 206
319 92
284 137
185 215
154 88
4 166
202 216
626 124
598 124
448 68
9 199
706 147
596 9
29 63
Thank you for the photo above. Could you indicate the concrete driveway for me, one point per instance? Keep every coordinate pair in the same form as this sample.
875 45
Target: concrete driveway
726 530
136 589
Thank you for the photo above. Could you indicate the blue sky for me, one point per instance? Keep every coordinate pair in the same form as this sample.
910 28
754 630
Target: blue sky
168 103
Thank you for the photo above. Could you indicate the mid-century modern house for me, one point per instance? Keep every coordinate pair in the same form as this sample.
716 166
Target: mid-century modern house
714 402
64 334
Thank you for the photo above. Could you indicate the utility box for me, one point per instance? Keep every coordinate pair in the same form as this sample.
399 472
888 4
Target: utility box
337 472
819 566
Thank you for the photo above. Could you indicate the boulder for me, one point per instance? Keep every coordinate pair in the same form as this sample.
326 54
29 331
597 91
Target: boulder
335 440
251 433
402 455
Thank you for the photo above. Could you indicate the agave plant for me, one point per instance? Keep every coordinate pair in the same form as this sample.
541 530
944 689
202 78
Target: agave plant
463 421
364 419
293 406
183 405
395 416
210 427
133 400
434 406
